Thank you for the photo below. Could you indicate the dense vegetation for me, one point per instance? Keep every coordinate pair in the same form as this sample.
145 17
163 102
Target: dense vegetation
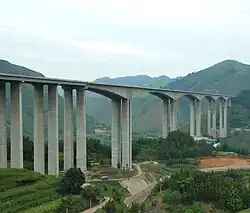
177 146
225 190
239 114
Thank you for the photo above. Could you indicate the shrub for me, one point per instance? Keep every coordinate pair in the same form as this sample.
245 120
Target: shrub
71 182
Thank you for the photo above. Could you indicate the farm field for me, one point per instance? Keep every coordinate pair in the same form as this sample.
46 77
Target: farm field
222 161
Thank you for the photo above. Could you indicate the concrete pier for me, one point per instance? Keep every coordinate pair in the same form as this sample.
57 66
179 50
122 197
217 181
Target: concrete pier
173 114
39 129
3 139
81 146
221 130
192 117
225 118
53 152
68 129
214 127
165 118
209 114
116 133
198 117
126 133
16 126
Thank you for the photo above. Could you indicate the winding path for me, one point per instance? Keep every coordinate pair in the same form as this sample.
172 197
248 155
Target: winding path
141 193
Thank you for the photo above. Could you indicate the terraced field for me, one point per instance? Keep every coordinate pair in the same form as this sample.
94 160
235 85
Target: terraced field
21 190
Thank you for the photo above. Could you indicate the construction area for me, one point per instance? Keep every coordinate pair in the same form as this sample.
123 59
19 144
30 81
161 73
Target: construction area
223 161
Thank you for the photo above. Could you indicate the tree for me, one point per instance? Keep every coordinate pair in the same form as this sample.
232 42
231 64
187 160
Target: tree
71 204
172 198
91 193
135 208
71 182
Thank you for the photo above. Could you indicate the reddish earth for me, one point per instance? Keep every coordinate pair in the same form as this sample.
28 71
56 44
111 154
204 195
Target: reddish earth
222 161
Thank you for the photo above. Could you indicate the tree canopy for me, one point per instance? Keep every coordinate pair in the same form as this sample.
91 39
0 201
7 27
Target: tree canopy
71 182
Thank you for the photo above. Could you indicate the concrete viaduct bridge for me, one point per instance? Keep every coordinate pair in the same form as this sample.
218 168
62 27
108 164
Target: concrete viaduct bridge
121 97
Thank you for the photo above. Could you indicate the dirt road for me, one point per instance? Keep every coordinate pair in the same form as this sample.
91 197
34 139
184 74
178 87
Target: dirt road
138 187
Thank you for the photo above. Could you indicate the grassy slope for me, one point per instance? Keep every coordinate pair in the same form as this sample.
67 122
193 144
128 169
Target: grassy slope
239 140
228 77
239 117
21 189
28 97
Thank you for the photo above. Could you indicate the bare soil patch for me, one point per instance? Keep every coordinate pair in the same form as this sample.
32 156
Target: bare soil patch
222 161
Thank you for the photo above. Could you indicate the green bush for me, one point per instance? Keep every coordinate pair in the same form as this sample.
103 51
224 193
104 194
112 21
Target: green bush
71 182
73 204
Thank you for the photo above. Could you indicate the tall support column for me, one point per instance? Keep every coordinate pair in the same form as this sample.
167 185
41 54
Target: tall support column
192 117
38 129
68 129
173 114
115 137
81 146
3 139
225 119
126 120
16 128
174 103
214 128
130 134
221 119
170 115
53 152
165 115
209 127
198 117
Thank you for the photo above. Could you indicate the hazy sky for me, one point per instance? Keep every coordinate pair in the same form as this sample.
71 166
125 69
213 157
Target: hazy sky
87 39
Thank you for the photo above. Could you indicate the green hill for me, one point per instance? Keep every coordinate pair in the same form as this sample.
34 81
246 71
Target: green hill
239 121
27 95
229 77
138 80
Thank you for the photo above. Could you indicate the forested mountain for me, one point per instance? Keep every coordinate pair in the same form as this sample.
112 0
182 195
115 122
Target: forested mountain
137 80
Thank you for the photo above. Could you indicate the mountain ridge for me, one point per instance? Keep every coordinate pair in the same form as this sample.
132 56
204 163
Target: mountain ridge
136 80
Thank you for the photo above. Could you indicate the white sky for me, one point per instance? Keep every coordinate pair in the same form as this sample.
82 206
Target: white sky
88 39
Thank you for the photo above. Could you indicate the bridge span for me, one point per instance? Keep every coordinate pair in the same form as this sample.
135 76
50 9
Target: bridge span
121 138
